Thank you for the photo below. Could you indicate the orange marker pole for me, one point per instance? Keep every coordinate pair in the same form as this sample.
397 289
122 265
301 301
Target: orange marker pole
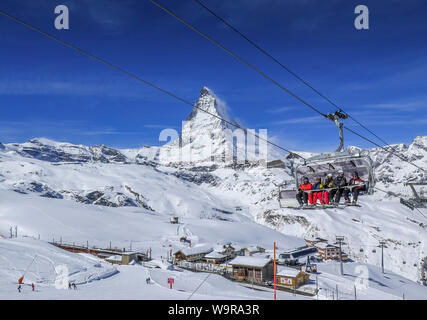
274 266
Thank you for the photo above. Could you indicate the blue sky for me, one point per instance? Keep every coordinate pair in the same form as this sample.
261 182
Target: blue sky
377 75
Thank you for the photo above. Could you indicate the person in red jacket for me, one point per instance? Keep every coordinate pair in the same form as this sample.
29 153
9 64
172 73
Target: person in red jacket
359 185
304 197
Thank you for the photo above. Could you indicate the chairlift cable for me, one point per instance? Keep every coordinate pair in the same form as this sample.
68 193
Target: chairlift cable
270 79
285 68
111 65
238 58
383 148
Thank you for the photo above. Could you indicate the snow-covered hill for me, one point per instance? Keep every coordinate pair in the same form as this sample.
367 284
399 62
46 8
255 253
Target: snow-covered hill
63 190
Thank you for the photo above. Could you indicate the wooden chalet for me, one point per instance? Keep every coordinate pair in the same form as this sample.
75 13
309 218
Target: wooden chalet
290 277
252 269
194 254
215 257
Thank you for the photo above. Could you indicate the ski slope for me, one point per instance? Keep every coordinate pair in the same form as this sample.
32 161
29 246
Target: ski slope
96 279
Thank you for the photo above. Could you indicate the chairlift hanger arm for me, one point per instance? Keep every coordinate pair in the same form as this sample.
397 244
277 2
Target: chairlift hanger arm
335 117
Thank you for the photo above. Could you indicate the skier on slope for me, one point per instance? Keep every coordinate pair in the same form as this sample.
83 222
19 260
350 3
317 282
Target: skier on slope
32 286
19 288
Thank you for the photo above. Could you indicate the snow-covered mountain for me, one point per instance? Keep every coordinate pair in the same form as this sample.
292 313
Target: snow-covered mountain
163 181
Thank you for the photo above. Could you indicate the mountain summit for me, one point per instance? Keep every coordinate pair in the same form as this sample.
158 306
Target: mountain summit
205 136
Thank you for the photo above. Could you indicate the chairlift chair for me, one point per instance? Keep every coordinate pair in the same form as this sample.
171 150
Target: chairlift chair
418 200
321 165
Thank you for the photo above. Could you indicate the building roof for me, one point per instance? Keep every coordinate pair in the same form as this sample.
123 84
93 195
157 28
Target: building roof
222 247
114 258
322 245
250 261
300 249
254 248
195 250
287 272
316 239
215 255
238 247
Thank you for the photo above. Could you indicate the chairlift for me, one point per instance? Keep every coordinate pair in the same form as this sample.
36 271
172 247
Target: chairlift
321 165
418 200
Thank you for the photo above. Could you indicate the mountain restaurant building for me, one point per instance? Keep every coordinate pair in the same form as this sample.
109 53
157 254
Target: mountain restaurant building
252 269
192 254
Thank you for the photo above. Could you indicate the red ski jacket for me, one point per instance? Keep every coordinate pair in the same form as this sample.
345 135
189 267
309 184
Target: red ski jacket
307 186
357 181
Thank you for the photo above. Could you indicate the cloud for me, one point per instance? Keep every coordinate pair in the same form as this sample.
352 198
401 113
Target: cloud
280 109
314 119
41 87
112 16
158 126
404 106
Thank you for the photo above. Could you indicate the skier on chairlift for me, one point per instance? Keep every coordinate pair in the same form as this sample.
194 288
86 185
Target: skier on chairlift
359 185
327 185
340 183
318 191
304 197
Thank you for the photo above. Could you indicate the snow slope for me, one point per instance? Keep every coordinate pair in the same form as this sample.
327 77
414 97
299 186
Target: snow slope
99 194
96 279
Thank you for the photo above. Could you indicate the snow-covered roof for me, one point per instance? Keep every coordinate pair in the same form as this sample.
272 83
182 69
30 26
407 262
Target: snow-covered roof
237 247
221 247
114 258
250 261
322 245
214 255
196 250
314 239
254 248
287 272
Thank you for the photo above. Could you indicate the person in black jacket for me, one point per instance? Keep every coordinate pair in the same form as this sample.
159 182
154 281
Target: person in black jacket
340 182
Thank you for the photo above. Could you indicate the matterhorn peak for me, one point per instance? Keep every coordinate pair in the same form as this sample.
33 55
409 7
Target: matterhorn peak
205 91
209 111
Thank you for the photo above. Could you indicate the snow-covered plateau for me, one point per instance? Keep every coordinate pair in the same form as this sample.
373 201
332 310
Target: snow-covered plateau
125 198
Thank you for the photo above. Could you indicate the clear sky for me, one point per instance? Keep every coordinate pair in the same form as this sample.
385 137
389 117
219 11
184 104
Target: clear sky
377 75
